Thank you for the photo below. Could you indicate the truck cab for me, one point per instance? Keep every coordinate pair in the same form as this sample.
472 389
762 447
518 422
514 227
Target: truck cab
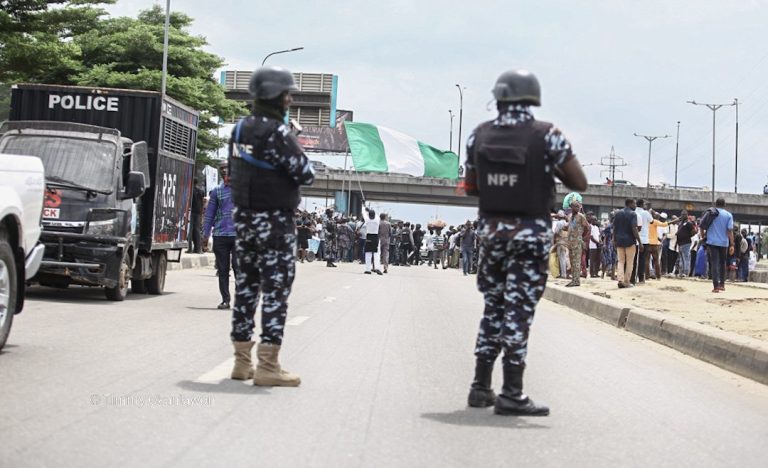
93 179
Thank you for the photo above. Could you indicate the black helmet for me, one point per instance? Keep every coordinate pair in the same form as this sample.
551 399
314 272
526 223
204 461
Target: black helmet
518 86
270 82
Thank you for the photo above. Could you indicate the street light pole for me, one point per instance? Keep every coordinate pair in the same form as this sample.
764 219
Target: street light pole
450 144
461 115
165 49
280 52
713 108
736 172
677 149
650 139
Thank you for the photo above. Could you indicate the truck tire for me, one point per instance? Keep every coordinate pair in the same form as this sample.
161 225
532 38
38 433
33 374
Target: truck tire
138 286
156 283
8 287
119 292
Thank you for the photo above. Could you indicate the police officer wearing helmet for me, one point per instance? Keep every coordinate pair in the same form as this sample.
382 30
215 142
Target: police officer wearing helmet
267 167
511 164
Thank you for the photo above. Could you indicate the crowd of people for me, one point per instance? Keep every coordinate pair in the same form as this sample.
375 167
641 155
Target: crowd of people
337 237
637 243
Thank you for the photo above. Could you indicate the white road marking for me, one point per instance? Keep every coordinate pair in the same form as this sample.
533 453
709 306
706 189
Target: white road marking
298 320
218 373
329 299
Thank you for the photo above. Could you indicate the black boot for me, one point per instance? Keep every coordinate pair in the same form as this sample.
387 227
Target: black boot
480 393
512 400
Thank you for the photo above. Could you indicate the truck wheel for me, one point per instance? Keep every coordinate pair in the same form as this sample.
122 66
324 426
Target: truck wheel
138 286
8 287
119 292
156 283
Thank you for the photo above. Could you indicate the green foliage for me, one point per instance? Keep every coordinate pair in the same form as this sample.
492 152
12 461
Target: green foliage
128 53
72 42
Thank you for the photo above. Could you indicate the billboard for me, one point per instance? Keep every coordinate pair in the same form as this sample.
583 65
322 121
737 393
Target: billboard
327 139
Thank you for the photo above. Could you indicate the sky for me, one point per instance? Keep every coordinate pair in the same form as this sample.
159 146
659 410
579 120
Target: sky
608 69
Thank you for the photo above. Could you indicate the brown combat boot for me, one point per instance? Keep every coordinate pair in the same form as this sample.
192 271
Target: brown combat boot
243 369
268 371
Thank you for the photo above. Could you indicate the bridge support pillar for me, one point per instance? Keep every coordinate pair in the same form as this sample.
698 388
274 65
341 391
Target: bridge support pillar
348 203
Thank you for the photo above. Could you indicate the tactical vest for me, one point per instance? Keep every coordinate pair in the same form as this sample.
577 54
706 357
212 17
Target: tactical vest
260 187
512 170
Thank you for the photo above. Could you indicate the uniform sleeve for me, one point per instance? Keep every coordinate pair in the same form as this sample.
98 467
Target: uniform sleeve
283 152
470 169
210 213
558 147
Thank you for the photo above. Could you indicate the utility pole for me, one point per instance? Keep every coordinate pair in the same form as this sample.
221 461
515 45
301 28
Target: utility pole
677 150
736 176
713 108
461 115
650 139
450 144
166 28
612 162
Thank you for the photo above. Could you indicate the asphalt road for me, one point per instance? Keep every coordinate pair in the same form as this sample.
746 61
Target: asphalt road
385 364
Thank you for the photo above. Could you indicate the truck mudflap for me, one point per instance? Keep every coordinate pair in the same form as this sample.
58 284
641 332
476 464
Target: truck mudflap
80 259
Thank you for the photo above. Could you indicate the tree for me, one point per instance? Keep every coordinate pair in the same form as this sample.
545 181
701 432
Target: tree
36 41
70 42
127 53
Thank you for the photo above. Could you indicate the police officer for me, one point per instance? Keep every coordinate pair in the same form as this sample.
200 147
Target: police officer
510 165
267 166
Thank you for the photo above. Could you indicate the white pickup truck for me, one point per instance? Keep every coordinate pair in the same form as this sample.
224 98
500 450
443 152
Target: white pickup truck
22 188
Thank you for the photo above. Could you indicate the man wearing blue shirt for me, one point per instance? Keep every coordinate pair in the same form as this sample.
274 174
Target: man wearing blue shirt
719 244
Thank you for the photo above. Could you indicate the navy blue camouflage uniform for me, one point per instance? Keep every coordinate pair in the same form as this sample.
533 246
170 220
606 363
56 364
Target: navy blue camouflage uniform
513 259
266 239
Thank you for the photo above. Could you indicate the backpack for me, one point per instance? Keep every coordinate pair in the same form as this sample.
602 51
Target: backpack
708 217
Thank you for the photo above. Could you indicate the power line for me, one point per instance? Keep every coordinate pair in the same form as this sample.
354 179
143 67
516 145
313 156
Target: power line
612 162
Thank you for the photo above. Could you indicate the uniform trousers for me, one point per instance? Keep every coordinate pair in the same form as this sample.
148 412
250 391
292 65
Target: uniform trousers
512 275
266 265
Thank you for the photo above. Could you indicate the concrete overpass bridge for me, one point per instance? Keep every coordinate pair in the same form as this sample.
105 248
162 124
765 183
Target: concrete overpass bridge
343 185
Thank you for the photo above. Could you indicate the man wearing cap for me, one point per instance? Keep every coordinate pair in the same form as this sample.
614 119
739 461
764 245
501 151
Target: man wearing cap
267 167
657 224
218 219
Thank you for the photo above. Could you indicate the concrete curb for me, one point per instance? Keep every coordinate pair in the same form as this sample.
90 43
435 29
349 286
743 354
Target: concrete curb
742 355
192 261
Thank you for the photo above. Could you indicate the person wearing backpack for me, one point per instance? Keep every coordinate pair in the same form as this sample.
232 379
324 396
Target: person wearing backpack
719 241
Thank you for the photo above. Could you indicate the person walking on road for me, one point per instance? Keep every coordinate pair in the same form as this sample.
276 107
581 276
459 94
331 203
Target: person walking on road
331 231
627 240
719 235
218 218
371 246
510 165
268 166
385 231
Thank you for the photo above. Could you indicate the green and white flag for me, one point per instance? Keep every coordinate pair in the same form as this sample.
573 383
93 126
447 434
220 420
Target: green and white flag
381 149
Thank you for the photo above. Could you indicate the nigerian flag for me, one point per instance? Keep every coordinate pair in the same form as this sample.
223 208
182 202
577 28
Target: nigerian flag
381 149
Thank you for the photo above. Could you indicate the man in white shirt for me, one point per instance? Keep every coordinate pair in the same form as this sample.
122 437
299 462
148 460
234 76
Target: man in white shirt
371 245
594 249
429 245
644 221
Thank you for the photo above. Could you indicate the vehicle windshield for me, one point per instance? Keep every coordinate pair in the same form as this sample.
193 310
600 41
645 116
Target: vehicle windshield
86 164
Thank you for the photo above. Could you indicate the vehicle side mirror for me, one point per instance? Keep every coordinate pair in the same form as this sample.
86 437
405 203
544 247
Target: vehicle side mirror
134 185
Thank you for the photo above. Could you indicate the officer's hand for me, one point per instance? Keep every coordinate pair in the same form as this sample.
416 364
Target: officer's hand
731 250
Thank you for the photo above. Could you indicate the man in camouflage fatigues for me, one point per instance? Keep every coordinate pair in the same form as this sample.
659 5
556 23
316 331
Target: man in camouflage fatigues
577 226
511 164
